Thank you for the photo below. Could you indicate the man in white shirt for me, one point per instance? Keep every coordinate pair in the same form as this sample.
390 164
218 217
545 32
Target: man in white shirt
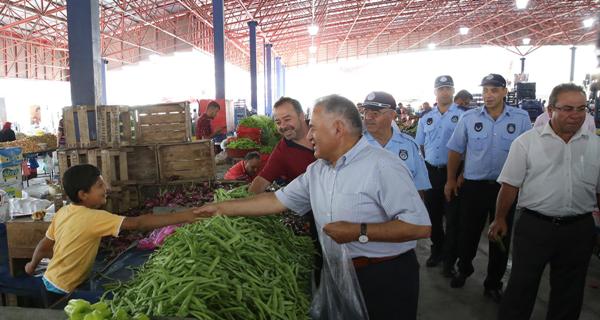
556 172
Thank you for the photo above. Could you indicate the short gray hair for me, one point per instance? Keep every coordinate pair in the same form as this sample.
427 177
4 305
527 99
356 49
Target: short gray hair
343 107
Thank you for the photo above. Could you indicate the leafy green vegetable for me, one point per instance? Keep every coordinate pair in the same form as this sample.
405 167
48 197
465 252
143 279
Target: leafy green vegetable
269 134
243 143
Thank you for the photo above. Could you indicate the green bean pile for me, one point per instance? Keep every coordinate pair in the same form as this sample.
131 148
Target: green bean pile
224 268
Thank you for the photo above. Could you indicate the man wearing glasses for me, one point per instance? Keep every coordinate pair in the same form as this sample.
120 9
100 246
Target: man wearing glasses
378 111
434 130
483 136
556 173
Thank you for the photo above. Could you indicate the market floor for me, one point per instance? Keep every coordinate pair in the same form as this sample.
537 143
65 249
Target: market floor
438 301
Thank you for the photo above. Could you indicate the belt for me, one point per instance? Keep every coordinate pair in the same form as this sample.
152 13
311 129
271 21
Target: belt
442 167
559 221
483 181
360 262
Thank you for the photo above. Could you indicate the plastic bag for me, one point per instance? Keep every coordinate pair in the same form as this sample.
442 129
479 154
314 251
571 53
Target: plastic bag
339 295
157 237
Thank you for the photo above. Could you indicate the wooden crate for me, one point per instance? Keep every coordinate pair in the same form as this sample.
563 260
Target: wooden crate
163 123
116 126
193 161
69 158
130 165
80 127
23 235
122 198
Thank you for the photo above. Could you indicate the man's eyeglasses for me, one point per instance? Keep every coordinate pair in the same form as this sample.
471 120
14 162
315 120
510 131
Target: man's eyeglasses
569 109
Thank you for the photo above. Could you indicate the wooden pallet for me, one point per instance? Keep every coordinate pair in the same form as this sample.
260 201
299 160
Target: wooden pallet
80 127
122 198
163 123
130 165
69 158
116 126
194 161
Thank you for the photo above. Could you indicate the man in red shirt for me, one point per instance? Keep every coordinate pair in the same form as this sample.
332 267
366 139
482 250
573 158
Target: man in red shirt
293 153
245 169
203 125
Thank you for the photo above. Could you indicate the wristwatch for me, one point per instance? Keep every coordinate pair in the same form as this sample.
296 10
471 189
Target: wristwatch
363 238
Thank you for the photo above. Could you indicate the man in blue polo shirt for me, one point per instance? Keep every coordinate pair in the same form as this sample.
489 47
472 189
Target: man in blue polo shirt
483 136
433 132
381 131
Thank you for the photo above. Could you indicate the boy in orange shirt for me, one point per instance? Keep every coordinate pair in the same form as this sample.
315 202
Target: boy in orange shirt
73 238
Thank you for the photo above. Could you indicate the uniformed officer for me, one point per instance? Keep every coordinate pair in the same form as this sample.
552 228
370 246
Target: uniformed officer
483 136
434 129
379 113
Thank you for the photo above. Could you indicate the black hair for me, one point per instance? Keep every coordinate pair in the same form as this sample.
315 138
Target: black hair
343 107
564 87
297 106
77 178
463 94
252 155
213 105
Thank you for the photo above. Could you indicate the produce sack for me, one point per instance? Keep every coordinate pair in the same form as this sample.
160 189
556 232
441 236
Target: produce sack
339 295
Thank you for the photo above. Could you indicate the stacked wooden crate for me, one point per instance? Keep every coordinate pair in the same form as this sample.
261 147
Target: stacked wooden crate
136 146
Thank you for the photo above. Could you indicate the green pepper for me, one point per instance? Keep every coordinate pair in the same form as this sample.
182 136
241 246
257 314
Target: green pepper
103 308
94 315
77 307
120 314
140 316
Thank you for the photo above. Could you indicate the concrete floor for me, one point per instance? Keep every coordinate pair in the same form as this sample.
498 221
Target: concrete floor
438 301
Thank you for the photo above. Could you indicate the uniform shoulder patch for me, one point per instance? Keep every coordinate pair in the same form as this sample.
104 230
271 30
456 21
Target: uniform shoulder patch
511 128
403 154
429 121
478 126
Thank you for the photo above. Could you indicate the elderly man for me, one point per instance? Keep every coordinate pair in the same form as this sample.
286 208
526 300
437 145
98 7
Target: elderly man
362 196
381 131
483 135
556 172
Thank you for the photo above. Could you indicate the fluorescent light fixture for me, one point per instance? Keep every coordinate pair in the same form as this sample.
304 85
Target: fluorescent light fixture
588 23
312 49
526 41
312 60
431 45
313 29
463 30
522 4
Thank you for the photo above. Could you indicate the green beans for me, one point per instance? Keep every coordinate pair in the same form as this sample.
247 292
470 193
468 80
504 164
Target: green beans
224 268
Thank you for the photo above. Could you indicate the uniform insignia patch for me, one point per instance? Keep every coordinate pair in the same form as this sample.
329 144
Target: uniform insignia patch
478 126
454 119
371 96
510 128
403 154
429 121
490 77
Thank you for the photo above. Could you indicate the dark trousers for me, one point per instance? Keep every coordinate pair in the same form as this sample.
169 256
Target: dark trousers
391 288
445 242
567 248
478 204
